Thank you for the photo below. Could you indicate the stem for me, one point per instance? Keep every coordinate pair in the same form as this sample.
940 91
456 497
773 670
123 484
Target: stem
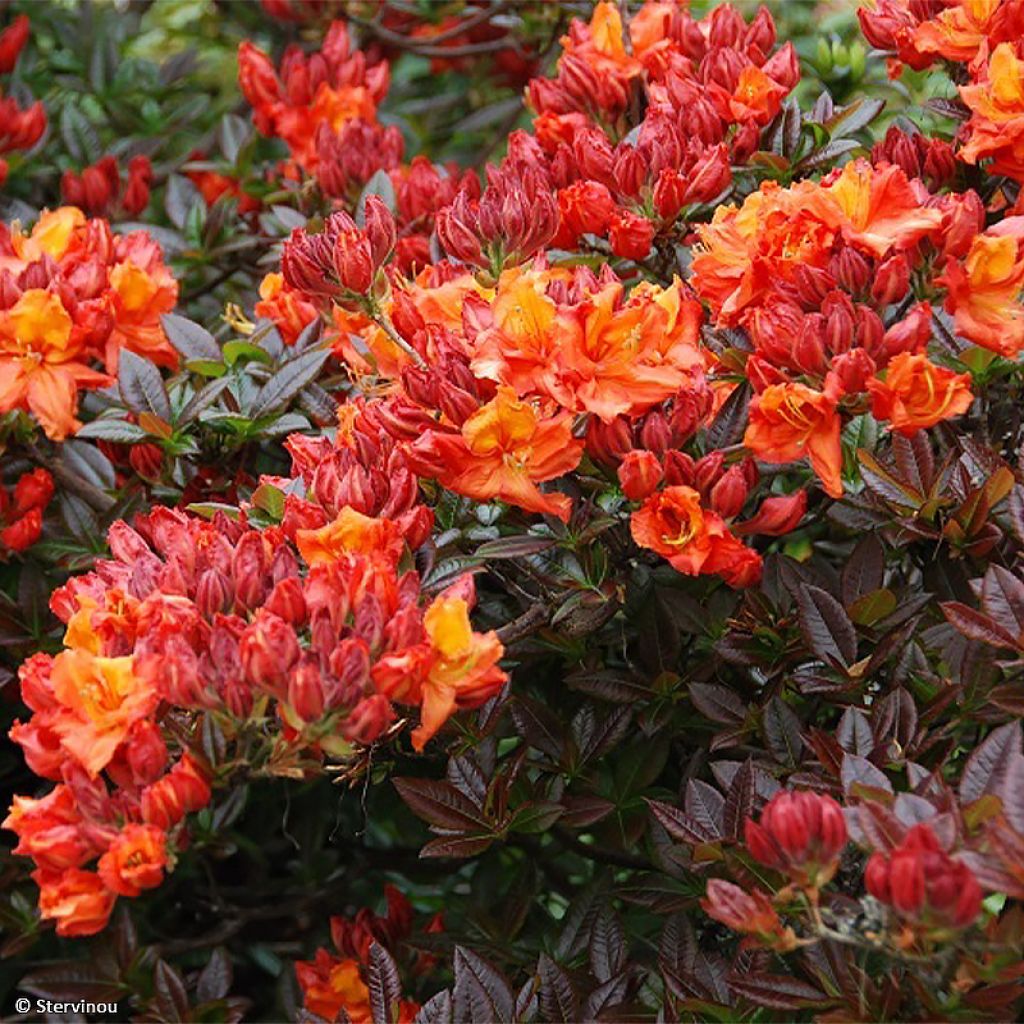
384 322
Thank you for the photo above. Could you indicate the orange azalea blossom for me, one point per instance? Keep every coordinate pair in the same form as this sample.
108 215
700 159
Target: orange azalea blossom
957 33
917 394
996 127
503 451
605 354
77 900
40 362
364 346
135 860
100 699
52 236
464 672
351 533
984 291
792 421
747 252
693 539
288 308
330 985
878 209
142 289
49 830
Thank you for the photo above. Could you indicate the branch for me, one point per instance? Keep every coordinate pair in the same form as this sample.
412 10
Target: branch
534 618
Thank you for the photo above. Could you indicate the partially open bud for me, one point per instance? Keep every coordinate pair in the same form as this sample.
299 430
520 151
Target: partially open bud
801 834
922 882
639 474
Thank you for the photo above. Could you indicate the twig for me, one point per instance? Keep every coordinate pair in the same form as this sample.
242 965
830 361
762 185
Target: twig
95 498
599 853
534 618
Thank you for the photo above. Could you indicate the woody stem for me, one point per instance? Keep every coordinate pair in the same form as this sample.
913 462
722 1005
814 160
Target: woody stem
384 322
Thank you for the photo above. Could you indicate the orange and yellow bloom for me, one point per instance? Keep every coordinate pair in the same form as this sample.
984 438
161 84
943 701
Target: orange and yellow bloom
792 421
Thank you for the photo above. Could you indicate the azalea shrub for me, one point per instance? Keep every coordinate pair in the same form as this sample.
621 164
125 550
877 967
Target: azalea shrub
513 512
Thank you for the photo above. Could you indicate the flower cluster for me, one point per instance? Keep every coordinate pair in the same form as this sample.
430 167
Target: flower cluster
21 510
802 836
20 127
72 296
100 192
331 983
812 273
326 89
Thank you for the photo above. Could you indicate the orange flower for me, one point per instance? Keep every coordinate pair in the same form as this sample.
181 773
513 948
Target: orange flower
632 356
504 450
77 900
142 289
350 533
49 830
100 698
51 236
917 394
330 985
288 308
792 421
40 369
528 331
984 291
745 251
756 97
957 32
464 672
996 127
693 539
878 209
135 860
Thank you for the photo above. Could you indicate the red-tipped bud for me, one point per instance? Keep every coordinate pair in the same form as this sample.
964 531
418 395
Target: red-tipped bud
306 690
380 229
922 882
33 490
639 474
892 280
777 515
12 42
146 752
368 719
730 493
801 834
630 236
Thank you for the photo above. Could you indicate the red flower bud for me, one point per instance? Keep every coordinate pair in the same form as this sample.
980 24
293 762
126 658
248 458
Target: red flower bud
639 474
353 261
368 719
267 650
286 601
801 834
214 593
24 532
147 460
306 689
146 752
656 434
183 790
630 236
33 490
922 882
776 516
892 280
680 469
749 913
12 42
380 229
730 493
